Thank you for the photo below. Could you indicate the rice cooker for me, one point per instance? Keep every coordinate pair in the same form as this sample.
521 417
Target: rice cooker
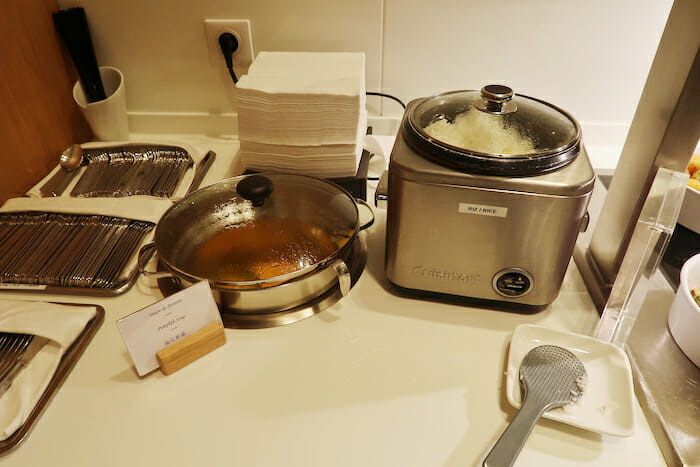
486 194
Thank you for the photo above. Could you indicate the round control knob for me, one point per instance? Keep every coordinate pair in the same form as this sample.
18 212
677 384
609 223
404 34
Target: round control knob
512 282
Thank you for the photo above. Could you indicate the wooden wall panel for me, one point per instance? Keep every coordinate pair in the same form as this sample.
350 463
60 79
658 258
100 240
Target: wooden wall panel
38 118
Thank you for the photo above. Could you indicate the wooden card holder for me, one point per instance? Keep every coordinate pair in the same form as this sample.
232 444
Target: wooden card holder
190 348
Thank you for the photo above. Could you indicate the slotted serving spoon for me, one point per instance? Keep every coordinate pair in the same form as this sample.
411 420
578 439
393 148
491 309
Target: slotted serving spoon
551 377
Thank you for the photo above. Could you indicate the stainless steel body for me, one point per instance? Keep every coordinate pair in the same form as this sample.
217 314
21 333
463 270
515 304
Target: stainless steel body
233 318
666 381
222 208
279 297
482 236
663 134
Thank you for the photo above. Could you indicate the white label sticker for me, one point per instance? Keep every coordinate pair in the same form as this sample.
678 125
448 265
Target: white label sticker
482 210
155 327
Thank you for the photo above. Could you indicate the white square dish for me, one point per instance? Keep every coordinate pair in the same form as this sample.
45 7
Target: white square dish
607 403
689 216
684 316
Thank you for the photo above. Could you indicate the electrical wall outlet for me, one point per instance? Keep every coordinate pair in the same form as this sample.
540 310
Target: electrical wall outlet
243 57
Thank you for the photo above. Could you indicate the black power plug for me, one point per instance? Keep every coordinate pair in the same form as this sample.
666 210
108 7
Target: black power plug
229 44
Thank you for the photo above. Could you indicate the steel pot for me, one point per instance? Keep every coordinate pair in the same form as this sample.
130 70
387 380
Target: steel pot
265 242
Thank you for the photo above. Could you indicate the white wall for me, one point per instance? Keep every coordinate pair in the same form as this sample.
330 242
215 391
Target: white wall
160 44
590 57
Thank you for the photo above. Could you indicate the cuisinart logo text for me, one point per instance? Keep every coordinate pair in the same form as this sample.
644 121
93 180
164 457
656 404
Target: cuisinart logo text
446 275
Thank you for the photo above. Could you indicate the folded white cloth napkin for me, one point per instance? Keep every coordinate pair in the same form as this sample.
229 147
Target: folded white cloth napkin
197 154
61 324
143 208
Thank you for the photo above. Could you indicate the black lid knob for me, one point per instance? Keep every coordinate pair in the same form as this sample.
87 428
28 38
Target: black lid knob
255 188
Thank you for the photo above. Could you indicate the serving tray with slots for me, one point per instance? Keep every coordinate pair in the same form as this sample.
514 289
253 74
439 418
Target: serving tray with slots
70 253
132 169
70 357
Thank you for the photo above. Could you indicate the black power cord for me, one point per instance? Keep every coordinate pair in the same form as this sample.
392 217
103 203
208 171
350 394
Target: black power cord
389 96
229 44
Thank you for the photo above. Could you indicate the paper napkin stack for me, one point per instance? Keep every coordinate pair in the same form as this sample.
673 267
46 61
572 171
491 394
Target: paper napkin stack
303 112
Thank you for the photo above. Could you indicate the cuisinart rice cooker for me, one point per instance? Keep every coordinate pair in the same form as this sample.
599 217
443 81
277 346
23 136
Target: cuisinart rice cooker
487 192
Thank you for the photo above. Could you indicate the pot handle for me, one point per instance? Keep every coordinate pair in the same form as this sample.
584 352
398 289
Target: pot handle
361 202
145 254
343 273
381 194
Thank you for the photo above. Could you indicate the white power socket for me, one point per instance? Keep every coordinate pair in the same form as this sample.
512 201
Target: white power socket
243 57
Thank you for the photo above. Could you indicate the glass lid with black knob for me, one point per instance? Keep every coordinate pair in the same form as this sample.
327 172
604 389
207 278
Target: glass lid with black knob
493 131
258 230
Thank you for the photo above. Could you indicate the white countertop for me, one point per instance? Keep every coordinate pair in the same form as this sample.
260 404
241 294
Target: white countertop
378 379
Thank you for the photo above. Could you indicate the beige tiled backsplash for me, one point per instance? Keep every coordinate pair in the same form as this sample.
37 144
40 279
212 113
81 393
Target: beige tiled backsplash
590 57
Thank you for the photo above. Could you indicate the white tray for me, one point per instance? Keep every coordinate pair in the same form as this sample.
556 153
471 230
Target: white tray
607 403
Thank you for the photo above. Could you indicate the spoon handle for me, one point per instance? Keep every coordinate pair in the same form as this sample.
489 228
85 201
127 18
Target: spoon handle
65 181
201 171
49 188
508 446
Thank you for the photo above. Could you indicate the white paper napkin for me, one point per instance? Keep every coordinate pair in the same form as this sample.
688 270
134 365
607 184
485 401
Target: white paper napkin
302 98
321 160
197 154
61 324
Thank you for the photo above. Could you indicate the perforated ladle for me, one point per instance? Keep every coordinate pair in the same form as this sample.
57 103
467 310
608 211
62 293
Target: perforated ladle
551 377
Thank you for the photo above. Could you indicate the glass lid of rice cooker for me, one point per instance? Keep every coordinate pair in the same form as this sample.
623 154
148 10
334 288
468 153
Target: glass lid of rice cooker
493 132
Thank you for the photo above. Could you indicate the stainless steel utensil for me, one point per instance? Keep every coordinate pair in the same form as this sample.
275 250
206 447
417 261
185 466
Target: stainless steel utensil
13 345
67 250
69 161
201 171
36 344
551 377
133 169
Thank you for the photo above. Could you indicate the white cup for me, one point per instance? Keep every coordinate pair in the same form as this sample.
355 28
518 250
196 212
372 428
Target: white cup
107 118
684 316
